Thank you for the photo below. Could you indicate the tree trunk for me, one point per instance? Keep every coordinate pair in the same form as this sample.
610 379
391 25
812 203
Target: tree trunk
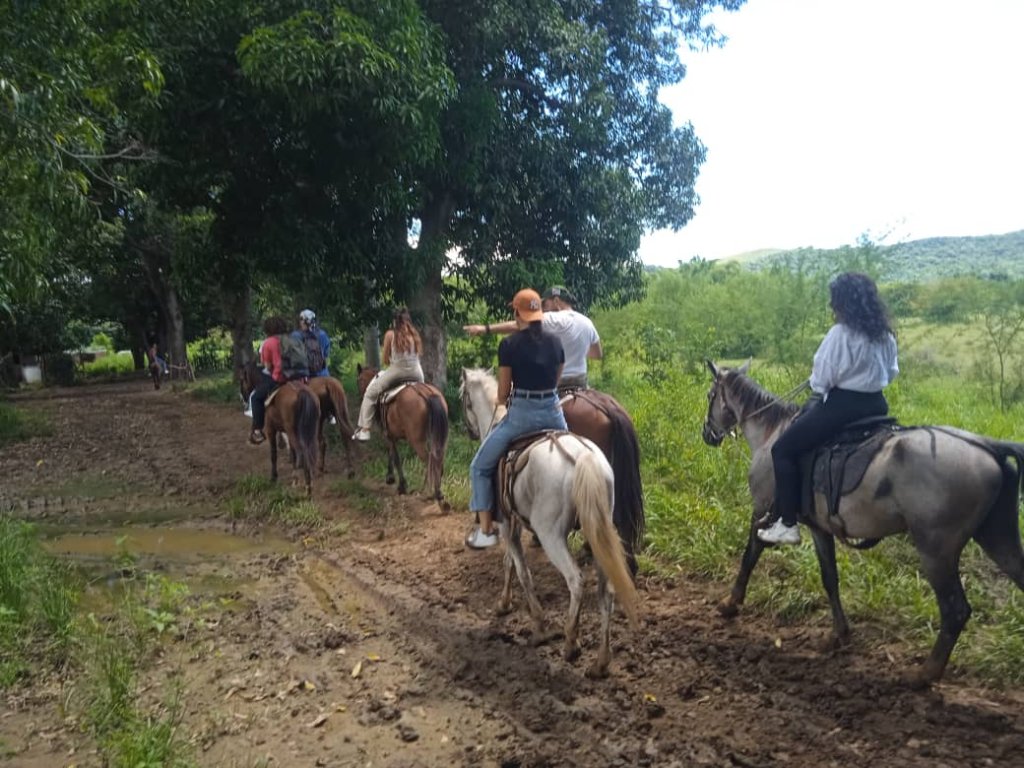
240 310
371 347
425 305
158 272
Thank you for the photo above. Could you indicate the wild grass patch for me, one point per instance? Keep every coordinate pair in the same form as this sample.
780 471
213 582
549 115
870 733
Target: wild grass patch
258 498
21 424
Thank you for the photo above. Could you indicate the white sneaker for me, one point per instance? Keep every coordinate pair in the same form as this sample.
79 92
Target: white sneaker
477 539
247 412
362 435
332 420
780 533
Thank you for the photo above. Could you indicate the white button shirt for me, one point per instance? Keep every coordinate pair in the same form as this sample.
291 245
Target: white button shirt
847 359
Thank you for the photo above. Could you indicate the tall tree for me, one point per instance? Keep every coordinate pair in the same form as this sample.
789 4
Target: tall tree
557 153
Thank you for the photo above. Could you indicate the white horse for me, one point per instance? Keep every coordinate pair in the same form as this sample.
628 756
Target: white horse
564 478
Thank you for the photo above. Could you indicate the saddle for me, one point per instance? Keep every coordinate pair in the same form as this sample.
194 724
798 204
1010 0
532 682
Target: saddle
294 384
387 397
514 461
837 467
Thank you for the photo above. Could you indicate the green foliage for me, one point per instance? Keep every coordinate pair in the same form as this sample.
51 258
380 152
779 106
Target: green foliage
219 388
37 603
110 365
258 498
21 424
102 341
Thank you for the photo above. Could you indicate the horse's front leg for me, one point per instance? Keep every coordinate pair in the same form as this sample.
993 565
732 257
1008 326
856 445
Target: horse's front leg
825 548
729 605
507 532
514 551
943 573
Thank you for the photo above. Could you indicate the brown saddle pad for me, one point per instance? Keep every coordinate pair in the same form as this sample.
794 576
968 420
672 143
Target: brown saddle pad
837 467
293 384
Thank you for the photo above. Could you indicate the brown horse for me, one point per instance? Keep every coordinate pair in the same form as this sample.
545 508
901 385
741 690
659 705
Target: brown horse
418 415
295 411
154 372
333 403
599 417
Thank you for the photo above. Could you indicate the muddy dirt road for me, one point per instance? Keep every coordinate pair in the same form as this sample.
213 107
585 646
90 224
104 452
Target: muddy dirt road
375 642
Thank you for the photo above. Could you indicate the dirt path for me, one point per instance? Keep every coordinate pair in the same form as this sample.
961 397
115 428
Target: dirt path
377 644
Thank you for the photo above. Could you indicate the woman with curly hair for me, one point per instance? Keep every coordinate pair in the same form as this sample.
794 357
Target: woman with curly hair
854 363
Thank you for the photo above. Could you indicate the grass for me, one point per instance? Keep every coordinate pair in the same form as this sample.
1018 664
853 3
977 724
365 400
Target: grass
216 388
21 424
257 498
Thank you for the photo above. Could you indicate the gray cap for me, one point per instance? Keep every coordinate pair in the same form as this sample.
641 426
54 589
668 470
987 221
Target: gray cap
560 292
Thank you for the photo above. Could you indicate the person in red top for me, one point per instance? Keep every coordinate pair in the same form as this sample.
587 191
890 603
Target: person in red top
272 375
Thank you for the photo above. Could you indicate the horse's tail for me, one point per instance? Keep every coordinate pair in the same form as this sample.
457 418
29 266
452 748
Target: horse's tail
1007 449
593 505
437 440
307 422
628 511
339 404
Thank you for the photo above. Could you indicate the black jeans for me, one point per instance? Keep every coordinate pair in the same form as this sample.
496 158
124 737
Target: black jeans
810 430
259 400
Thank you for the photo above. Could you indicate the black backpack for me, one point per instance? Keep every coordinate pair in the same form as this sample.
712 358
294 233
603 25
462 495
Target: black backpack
294 363
314 353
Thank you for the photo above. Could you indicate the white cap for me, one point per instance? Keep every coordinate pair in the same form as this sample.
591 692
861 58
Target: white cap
308 315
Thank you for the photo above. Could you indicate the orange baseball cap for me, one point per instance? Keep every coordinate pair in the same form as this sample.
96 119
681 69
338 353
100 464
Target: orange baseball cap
527 304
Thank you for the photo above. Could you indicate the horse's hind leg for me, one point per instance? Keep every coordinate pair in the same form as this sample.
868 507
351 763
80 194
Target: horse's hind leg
825 548
729 605
559 555
321 439
395 460
999 533
272 439
606 601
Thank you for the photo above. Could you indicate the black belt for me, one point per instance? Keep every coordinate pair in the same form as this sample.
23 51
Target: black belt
534 394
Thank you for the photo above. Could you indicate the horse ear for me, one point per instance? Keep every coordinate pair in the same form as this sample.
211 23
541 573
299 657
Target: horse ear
713 368
359 369
745 367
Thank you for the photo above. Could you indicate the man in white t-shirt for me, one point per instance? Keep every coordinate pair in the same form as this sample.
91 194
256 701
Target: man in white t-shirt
575 330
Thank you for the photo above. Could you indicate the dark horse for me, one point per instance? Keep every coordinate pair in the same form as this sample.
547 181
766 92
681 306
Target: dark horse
154 371
941 485
418 415
295 411
333 403
599 417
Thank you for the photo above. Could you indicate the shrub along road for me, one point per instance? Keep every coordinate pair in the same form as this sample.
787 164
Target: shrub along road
371 637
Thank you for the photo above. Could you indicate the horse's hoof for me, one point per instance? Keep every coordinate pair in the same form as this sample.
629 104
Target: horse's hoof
389 480
728 608
503 610
544 636
402 490
445 507
571 652
597 671
919 679
834 642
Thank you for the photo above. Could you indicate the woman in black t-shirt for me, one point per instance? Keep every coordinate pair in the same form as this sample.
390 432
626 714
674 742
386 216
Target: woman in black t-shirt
529 366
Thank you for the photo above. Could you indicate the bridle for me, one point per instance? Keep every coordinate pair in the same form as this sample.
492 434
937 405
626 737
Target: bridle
714 433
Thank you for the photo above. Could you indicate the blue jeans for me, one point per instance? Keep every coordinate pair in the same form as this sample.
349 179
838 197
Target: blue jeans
524 416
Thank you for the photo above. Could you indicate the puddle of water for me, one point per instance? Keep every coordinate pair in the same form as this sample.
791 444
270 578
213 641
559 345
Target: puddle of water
172 543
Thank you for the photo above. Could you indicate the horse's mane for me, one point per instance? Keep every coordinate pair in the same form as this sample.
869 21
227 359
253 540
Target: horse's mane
483 378
752 397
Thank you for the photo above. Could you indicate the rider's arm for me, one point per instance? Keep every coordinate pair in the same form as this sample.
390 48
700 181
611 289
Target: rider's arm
385 354
509 326
595 352
504 384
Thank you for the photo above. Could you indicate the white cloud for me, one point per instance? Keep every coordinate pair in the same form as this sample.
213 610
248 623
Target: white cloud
826 119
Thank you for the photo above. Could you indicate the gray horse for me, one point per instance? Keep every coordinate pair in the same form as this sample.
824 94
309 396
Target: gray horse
941 485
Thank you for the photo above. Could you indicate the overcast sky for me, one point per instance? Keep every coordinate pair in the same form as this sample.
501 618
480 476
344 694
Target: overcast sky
826 119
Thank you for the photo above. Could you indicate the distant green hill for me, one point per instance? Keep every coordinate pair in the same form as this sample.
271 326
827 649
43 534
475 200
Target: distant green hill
931 258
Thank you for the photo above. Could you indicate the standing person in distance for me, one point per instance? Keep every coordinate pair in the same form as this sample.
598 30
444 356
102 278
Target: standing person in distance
400 353
579 337
854 363
530 364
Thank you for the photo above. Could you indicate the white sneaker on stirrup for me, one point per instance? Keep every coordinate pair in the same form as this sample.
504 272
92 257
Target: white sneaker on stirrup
780 533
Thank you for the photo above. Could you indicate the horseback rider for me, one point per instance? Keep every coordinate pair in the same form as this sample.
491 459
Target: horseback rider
854 363
400 353
315 340
153 353
283 360
530 365
575 330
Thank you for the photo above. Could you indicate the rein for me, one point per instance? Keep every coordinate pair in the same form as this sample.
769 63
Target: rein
720 432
